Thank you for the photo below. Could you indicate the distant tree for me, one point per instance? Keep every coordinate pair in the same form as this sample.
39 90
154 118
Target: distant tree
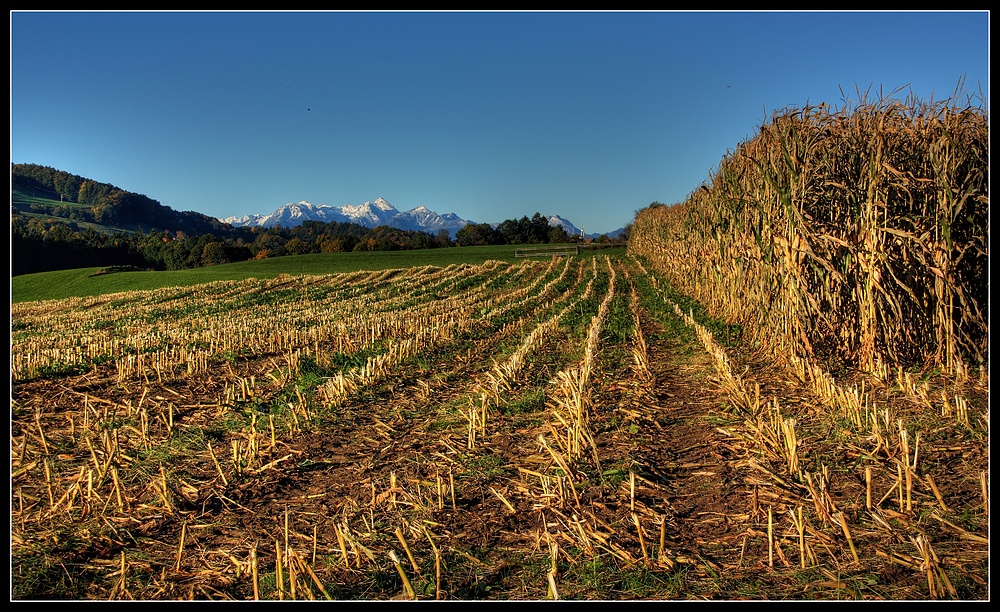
477 234
367 244
557 235
92 193
271 243
67 185
443 239
297 247
213 254
329 244
238 252
338 244
192 249
525 232
58 232
105 213
539 229
421 240
174 255
510 231
153 247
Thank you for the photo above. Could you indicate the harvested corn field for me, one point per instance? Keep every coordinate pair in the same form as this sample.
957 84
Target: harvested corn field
570 428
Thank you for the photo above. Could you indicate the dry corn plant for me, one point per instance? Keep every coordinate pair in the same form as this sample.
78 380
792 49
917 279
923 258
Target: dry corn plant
571 438
583 531
377 367
476 414
872 219
568 405
771 434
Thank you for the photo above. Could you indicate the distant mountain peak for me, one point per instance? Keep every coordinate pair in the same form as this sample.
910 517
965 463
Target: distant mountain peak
374 213
368 214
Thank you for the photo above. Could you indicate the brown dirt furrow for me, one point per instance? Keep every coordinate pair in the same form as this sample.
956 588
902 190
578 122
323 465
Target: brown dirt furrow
702 498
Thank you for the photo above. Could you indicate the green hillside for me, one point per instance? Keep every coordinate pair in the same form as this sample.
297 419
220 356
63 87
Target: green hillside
39 204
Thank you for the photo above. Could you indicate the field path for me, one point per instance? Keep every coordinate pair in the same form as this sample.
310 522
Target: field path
677 449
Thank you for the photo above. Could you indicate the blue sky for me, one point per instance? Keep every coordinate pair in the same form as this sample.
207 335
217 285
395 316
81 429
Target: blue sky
488 115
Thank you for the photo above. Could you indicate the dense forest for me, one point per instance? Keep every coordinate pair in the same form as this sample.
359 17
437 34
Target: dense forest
60 220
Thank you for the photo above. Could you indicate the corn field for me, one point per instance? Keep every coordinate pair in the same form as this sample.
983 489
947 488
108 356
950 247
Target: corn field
859 237
779 392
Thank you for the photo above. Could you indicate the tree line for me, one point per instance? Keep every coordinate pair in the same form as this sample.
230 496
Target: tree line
50 235
44 244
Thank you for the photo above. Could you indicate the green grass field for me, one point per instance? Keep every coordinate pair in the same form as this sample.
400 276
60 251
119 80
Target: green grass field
82 282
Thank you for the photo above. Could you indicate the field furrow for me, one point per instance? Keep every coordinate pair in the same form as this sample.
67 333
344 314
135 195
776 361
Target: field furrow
570 428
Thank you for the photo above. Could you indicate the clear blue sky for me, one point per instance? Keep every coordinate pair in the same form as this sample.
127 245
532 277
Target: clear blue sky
489 115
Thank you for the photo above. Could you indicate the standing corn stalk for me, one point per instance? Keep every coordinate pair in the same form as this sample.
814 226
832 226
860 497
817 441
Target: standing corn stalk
858 236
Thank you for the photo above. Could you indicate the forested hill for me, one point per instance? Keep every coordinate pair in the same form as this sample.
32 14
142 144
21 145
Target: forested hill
87 201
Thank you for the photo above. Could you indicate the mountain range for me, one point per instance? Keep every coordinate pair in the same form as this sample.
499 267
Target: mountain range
373 214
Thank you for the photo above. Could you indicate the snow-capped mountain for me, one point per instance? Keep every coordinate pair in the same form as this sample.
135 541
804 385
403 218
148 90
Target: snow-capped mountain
369 214
571 230
290 215
424 219
373 214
